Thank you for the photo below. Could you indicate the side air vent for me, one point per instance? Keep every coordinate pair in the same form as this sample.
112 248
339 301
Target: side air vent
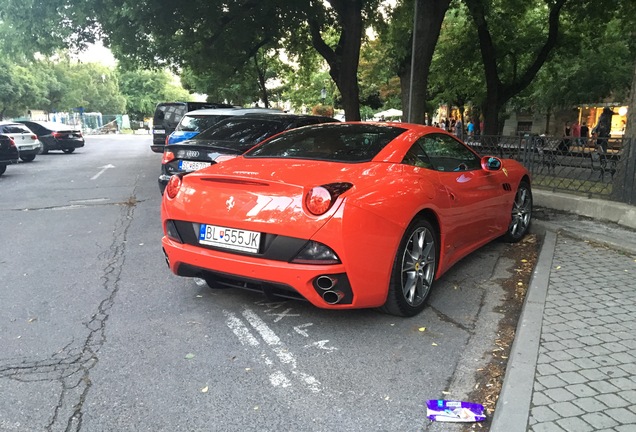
507 187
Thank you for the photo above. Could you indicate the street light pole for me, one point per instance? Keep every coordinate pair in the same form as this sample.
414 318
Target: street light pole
410 103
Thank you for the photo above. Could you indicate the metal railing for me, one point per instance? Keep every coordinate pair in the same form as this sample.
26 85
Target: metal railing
594 167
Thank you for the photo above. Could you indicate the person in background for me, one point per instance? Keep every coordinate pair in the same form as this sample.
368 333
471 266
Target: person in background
602 129
459 128
564 145
584 133
575 130
470 128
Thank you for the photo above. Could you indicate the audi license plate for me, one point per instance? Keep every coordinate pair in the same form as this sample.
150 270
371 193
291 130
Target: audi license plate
192 165
230 238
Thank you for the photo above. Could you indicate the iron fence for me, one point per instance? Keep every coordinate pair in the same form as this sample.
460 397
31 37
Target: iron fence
599 167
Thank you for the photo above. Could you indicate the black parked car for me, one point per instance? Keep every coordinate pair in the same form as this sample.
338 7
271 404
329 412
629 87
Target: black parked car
56 136
8 152
228 138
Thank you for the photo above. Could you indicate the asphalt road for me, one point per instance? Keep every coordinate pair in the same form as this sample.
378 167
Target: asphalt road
97 335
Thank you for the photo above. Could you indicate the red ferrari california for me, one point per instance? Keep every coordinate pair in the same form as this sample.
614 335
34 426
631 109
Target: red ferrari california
344 215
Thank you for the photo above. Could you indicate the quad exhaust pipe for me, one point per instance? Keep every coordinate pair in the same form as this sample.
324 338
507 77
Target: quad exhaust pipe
332 297
328 289
325 283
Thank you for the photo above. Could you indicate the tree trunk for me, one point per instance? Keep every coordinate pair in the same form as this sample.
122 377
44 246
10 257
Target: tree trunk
344 59
624 184
427 25
499 93
261 82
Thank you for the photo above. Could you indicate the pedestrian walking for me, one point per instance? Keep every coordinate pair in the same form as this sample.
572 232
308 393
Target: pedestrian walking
459 128
602 129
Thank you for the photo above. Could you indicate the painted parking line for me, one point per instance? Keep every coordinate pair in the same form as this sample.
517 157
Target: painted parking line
271 340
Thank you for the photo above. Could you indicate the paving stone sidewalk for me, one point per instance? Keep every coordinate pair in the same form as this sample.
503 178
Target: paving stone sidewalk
586 368
573 363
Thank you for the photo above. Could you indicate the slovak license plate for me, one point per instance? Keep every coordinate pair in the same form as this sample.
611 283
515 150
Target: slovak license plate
192 165
159 131
229 238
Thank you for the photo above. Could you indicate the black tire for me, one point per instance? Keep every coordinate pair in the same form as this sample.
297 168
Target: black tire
413 271
521 214
28 158
44 149
68 150
3 168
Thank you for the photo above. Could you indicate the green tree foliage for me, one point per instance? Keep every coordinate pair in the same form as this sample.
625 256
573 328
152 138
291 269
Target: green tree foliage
590 67
143 89
257 80
18 89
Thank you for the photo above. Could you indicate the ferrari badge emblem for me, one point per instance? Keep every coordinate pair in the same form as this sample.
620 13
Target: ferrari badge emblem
229 203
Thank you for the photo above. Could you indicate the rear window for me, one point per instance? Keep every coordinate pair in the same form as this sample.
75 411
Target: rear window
169 114
242 131
335 142
14 128
198 123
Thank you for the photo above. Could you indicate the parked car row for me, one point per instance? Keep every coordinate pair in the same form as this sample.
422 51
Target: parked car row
232 132
25 139
343 215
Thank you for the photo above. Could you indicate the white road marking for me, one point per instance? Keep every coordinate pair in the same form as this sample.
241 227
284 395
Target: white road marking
278 379
283 314
104 168
300 331
240 330
321 345
312 383
279 349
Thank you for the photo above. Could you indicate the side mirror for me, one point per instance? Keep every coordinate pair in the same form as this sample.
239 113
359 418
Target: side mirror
491 163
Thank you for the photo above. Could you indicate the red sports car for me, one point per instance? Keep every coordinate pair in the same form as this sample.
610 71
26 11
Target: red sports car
344 215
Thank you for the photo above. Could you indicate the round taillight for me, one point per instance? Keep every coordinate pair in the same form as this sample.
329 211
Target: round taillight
172 188
167 157
318 200
34 137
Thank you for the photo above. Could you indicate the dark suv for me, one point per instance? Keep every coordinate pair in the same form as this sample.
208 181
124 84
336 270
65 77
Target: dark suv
226 139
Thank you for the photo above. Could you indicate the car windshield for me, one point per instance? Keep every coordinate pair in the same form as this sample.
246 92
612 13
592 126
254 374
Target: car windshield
198 123
242 131
334 142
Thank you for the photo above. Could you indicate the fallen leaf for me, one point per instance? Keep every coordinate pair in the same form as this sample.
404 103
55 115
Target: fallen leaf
199 296
524 260
422 329
520 283
189 356
204 389
256 407
33 319
434 344
445 393
558 267
248 369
